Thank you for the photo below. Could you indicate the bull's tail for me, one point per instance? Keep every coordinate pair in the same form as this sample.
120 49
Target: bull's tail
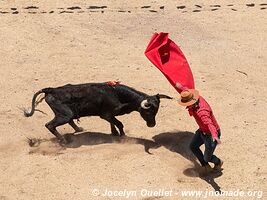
34 103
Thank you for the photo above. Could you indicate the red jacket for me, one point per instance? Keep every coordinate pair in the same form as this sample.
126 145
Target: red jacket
205 118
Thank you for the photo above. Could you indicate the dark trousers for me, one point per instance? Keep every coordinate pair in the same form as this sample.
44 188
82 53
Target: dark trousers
199 139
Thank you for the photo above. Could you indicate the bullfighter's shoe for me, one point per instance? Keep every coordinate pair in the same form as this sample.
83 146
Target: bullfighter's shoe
218 167
205 170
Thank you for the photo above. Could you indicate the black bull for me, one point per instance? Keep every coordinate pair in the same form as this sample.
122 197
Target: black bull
96 99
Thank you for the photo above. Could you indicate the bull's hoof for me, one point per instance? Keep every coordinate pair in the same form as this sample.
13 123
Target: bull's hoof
122 134
79 129
62 141
115 133
68 138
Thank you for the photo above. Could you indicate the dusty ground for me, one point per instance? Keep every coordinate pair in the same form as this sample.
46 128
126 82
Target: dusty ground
51 45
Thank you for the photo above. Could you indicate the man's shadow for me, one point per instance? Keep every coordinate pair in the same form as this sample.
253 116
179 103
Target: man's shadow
95 138
179 142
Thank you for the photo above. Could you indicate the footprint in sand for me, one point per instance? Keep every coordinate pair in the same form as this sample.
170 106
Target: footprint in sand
250 4
181 7
265 6
70 10
145 7
74 8
64 11
216 6
97 7
31 7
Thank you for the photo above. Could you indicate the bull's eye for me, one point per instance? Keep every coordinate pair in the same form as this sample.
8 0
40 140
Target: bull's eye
150 110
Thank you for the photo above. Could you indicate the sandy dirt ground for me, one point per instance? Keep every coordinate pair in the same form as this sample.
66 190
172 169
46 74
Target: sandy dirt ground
52 43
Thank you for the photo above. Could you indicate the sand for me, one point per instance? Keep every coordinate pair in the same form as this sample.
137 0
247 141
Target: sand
52 43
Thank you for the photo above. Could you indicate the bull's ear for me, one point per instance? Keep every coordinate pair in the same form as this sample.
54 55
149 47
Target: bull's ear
163 96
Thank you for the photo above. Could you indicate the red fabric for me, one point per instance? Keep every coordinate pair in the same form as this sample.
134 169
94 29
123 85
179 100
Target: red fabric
205 118
170 60
112 83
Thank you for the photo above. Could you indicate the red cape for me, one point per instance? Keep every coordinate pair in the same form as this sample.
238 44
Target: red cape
170 60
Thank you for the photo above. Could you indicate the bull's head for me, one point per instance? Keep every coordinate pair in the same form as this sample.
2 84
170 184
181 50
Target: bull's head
149 108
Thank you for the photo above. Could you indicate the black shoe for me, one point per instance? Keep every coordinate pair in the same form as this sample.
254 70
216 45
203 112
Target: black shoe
218 167
205 170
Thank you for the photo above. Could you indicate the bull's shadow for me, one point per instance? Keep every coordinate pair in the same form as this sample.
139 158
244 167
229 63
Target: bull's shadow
179 142
95 138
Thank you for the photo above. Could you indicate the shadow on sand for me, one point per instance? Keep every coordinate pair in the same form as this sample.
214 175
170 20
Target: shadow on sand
178 142
94 138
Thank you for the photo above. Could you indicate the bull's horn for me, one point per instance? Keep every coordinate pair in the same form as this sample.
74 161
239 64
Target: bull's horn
145 104
163 96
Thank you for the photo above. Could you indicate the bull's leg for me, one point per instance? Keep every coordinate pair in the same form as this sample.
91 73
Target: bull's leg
51 126
63 115
114 130
111 119
75 127
119 125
